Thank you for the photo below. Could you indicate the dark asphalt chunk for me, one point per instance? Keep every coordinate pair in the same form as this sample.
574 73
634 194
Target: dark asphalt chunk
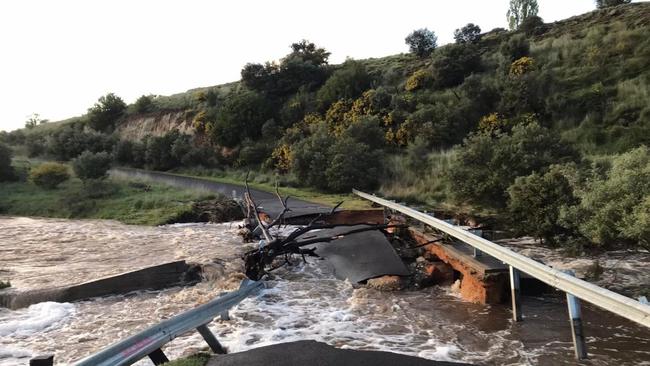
314 353
358 257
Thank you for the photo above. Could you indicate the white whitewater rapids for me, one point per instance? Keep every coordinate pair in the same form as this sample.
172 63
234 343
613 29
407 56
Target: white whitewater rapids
300 302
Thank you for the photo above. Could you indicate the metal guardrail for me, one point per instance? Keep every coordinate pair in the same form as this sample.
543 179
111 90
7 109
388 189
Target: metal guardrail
606 299
150 341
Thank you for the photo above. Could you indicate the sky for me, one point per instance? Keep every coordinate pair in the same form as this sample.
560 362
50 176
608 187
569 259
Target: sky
58 57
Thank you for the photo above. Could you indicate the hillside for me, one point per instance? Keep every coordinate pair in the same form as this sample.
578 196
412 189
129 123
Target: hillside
548 118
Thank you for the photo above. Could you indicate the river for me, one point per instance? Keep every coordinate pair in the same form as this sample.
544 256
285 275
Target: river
300 302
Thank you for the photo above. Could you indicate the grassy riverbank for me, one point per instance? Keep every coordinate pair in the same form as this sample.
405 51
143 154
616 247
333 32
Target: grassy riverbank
128 202
266 182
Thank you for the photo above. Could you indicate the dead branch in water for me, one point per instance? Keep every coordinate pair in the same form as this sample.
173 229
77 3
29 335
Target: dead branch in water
258 262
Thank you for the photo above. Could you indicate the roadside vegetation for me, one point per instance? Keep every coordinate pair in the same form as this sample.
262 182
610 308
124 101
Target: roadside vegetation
545 126
126 201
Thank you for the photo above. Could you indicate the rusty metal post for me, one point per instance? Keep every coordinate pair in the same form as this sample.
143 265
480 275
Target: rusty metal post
515 291
575 316
47 360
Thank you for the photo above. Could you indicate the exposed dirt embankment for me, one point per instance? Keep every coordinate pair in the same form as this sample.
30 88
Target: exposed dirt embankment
137 126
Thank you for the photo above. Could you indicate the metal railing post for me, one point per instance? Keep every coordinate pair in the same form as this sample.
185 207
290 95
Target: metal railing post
158 357
47 360
515 293
575 317
211 340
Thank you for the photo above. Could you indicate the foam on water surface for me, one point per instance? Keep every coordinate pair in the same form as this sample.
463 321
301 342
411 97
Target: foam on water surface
304 301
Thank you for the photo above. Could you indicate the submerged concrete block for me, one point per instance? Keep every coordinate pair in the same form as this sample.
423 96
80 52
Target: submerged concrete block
151 278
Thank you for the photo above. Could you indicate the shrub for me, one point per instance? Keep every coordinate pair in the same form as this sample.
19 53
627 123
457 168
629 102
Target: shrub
486 165
420 79
537 202
240 117
422 42
144 104
49 175
470 33
522 66
615 207
515 48
600 4
4 284
6 170
348 82
92 166
353 165
311 158
453 63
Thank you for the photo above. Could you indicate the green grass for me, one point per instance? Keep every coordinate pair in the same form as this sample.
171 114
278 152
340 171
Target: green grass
115 200
194 360
266 182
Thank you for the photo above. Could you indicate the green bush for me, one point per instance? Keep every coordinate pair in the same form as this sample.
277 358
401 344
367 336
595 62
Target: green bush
515 47
4 284
453 63
353 165
91 166
6 170
615 208
607 3
49 175
241 117
537 202
486 165
348 82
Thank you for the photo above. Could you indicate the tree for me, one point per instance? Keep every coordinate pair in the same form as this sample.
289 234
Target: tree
105 113
33 120
241 116
520 10
89 166
470 33
422 42
144 104
600 4
6 170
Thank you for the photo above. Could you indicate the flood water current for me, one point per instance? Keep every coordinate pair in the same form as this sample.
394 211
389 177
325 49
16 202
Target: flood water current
301 302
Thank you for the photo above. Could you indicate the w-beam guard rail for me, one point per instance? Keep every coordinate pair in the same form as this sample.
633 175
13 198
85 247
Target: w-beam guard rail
149 341
606 299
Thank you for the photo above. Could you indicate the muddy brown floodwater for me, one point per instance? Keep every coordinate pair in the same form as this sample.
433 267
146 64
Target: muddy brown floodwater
300 302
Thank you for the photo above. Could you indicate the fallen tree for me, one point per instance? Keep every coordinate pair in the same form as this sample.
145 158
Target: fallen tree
264 259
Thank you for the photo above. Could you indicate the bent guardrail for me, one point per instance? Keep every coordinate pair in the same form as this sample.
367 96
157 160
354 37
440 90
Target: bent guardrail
150 341
606 299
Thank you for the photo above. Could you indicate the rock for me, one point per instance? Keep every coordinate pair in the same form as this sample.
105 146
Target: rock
386 283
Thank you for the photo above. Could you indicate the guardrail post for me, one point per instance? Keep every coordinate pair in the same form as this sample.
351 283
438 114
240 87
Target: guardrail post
42 361
225 316
477 252
575 316
158 357
515 291
211 340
